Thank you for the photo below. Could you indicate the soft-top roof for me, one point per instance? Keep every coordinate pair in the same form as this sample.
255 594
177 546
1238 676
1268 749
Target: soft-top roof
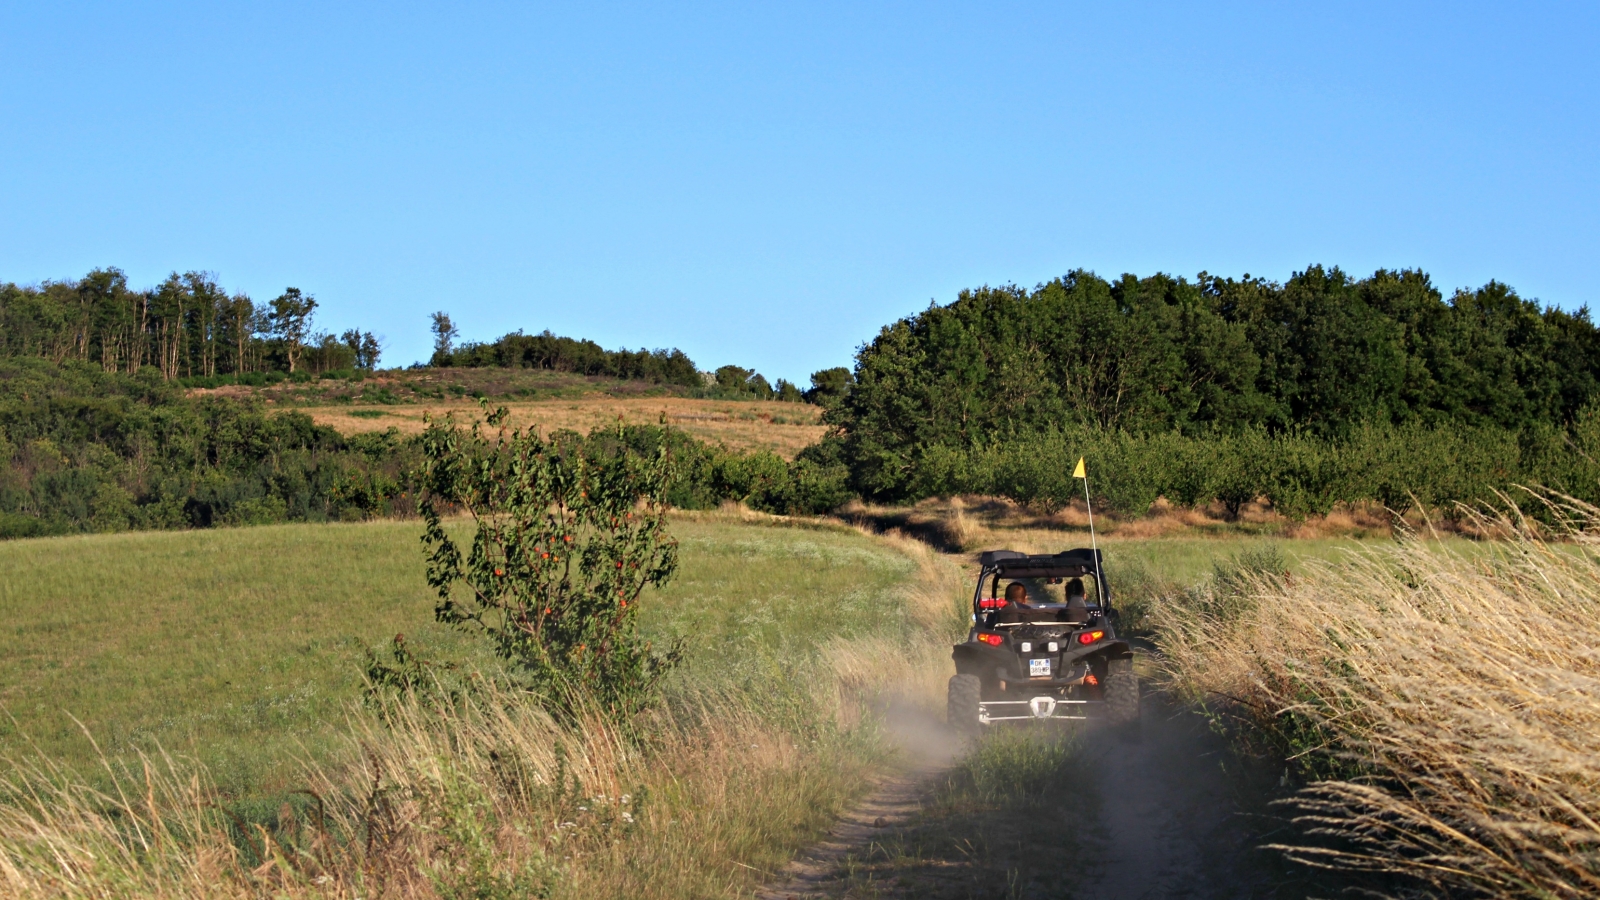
1067 563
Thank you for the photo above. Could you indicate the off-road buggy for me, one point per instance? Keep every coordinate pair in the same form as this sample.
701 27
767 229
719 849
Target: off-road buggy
1046 659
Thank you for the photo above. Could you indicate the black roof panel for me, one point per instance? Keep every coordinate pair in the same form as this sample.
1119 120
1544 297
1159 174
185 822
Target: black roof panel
1010 563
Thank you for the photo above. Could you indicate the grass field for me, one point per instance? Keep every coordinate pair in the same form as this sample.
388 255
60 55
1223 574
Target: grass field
244 646
241 648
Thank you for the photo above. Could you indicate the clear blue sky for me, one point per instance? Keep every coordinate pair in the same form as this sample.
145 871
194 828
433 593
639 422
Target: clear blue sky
768 185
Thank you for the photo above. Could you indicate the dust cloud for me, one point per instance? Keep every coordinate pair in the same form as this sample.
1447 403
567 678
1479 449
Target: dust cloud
1163 810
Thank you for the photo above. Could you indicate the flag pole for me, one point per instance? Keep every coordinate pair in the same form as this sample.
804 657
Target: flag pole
1090 507
1082 472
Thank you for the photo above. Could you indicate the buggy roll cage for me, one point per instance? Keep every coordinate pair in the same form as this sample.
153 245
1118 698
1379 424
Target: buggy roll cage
998 564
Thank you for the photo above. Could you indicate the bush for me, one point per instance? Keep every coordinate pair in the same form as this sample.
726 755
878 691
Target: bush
565 543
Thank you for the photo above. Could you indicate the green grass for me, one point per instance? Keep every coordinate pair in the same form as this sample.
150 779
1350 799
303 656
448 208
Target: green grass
773 588
243 647
238 646
1010 819
1141 570
1184 560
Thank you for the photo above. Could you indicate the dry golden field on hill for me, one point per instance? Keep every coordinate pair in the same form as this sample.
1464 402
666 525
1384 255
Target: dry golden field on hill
783 428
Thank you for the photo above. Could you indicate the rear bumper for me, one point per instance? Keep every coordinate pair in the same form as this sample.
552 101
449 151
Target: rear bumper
1033 708
1012 683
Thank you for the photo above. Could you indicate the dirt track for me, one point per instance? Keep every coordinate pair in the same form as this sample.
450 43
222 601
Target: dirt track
1152 815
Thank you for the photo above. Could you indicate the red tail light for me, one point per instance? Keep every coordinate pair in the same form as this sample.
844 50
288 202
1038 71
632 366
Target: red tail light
1089 637
993 640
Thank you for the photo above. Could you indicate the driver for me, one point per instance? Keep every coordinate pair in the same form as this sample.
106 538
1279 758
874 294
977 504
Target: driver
1017 595
1016 602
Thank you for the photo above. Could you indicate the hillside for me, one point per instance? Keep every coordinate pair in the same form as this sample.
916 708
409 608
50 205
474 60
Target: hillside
359 403
783 428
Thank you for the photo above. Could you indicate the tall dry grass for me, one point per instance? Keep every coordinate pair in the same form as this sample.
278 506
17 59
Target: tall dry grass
706 797
1448 697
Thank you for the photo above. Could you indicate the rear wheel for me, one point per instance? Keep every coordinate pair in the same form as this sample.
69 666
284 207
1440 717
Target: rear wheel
961 705
1121 692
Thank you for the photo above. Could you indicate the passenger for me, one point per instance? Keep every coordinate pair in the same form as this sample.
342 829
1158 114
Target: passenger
1017 595
1077 607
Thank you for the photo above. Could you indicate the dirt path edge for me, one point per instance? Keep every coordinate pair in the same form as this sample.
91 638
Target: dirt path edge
815 872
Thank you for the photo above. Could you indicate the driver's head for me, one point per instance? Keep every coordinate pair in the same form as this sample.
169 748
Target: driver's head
1016 593
1075 589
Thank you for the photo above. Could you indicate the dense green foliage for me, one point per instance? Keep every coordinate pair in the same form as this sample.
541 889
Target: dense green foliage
564 354
565 543
82 449
1323 367
185 327
738 383
1299 473
705 475
1320 390
829 386
584 357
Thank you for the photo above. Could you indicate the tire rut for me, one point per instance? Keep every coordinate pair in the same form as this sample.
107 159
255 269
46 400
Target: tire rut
819 870
1153 811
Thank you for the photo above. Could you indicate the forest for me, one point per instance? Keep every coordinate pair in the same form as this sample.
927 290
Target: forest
584 357
1382 372
190 328
186 327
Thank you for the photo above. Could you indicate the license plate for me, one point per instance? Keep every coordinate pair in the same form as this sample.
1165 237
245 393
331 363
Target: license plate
1038 667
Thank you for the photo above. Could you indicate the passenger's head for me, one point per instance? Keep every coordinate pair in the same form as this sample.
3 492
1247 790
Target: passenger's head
1075 589
1016 593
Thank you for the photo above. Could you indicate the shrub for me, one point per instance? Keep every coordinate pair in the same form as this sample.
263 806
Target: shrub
1299 473
564 543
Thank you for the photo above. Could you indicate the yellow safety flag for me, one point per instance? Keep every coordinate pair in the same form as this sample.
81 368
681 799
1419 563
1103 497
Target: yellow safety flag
1079 472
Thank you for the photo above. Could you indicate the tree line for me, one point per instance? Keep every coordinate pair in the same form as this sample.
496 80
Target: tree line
553 352
560 354
187 326
1318 357
1315 392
